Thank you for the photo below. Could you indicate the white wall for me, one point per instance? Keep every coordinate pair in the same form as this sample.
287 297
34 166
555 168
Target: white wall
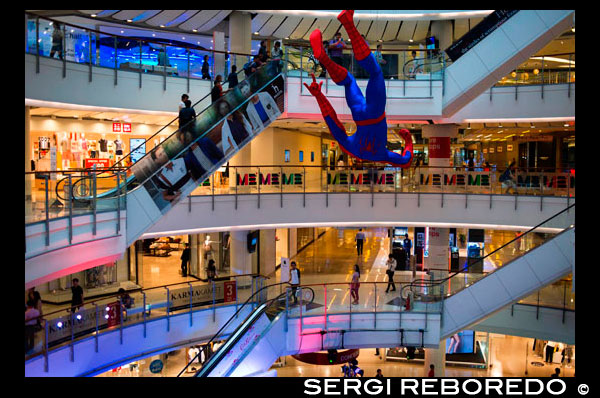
49 85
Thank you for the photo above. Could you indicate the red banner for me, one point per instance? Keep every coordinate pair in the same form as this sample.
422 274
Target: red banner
229 294
127 127
439 147
116 127
89 163
114 314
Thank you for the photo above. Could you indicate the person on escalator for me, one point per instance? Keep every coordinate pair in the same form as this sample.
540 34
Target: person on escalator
232 79
294 280
217 91
186 115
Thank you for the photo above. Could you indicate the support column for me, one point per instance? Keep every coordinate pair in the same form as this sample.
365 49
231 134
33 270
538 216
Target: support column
194 267
439 249
240 35
241 260
267 252
437 357
439 143
28 155
293 241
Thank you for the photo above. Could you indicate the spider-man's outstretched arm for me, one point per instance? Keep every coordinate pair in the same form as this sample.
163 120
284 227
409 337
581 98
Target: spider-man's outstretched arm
335 126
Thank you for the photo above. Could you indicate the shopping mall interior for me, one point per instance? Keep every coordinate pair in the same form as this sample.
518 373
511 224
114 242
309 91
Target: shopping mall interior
190 210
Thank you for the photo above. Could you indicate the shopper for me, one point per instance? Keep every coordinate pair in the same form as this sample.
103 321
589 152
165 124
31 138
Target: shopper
391 267
232 79
57 41
407 244
186 115
294 280
182 102
125 298
556 373
205 69
262 51
31 315
211 270
401 258
508 178
355 284
185 259
217 91
379 55
360 239
471 164
431 372
336 48
379 375
76 295
549 351
277 55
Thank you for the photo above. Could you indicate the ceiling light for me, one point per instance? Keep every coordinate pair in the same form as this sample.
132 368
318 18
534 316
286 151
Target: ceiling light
194 30
255 33
153 34
162 26
198 42
531 125
287 38
182 38
410 40
379 40
121 31
500 125
130 20
93 15
500 131
566 125
479 135
573 29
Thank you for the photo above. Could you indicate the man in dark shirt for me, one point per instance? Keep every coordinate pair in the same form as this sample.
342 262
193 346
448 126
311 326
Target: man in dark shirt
232 79
186 115
336 47
407 245
77 294
185 258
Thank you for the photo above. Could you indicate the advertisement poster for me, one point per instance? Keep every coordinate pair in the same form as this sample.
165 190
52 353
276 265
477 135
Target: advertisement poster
215 135
462 342
202 294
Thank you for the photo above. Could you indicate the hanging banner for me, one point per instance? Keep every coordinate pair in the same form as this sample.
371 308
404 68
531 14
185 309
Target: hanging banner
223 292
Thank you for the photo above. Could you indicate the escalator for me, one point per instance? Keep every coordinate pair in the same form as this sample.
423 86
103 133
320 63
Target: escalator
187 158
532 261
494 47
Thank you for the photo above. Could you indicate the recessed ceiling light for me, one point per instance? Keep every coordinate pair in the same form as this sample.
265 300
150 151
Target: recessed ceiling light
93 15
121 31
255 33
153 34
287 38
198 42
182 38
162 26
130 20
573 29
194 30
566 125
410 40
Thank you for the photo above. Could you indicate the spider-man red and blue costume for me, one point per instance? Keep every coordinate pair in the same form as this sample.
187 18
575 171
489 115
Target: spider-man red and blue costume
369 141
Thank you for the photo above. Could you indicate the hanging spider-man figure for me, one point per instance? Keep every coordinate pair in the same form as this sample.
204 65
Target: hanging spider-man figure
369 141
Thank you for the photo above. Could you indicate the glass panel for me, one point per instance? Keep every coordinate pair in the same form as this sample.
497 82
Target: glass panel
30 34
178 60
128 54
107 51
77 45
49 37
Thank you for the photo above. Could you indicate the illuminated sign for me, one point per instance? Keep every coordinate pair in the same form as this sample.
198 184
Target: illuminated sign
499 149
127 127
509 148
362 178
269 179
116 127
492 150
100 163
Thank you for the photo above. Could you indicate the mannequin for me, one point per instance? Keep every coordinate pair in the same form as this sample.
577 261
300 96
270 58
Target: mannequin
65 150
103 146
119 147
208 250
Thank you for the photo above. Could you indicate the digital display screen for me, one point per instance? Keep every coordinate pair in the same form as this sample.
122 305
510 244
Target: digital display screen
140 152
301 156
462 342
287 155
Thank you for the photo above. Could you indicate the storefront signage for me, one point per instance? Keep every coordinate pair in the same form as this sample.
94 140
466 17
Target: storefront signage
473 179
202 295
360 178
484 150
156 366
509 148
100 163
269 179
116 127
492 150
114 314
127 127
323 358
499 149
439 147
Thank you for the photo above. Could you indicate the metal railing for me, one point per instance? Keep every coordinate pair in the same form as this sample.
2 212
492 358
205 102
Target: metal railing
145 56
72 325
373 298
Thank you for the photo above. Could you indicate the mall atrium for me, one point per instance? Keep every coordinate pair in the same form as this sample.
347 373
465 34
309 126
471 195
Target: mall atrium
306 193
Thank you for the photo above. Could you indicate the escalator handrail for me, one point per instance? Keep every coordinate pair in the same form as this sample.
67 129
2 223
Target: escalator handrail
433 282
170 123
205 132
230 319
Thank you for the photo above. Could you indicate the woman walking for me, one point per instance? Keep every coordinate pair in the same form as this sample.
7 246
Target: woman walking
355 284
